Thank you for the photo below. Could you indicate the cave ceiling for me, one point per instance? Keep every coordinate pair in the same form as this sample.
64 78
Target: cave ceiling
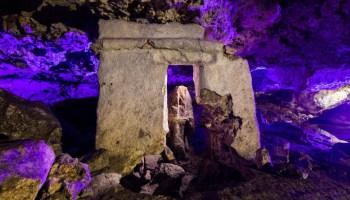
294 45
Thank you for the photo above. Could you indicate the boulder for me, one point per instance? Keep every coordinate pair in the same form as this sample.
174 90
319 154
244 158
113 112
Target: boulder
166 180
185 183
67 178
102 184
24 166
150 162
300 166
23 119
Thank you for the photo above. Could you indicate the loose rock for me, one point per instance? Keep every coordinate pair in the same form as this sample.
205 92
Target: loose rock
24 166
67 176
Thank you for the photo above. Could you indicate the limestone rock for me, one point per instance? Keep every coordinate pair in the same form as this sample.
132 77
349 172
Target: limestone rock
24 166
263 158
219 125
67 176
22 119
171 170
124 29
166 180
102 184
97 160
151 161
168 155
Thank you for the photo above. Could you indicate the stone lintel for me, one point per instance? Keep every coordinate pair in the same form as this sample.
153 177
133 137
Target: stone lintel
162 44
123 29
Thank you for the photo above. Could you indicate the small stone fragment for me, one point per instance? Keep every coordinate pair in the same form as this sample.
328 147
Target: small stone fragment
67 175
263 158
101 184
168 155
151 161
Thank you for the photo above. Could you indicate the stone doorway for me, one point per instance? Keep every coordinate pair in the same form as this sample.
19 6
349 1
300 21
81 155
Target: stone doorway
181 100
133 124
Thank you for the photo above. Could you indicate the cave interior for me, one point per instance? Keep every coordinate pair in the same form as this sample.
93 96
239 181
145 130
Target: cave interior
297 57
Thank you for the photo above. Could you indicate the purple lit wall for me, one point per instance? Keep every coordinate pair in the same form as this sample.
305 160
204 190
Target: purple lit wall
49 71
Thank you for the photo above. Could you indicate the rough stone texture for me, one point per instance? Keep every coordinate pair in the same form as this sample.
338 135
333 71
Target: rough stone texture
24 166
97 160
124 29
168 155
150 162
39 69
128 137
102 184
218 77
263 158
217 125
22 119
129 128
67 178
166 180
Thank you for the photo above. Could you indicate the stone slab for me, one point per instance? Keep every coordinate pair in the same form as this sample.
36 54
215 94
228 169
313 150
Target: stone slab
110 44
227 76
123 29
130 108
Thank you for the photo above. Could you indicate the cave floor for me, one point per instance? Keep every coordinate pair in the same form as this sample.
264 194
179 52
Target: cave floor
262 186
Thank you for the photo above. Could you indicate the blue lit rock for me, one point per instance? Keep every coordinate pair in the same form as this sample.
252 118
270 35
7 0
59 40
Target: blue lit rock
66 179
24 166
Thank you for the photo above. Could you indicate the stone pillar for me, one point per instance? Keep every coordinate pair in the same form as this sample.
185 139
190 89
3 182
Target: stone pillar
132 75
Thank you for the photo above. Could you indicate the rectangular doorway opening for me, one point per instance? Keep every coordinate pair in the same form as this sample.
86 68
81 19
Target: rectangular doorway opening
182 91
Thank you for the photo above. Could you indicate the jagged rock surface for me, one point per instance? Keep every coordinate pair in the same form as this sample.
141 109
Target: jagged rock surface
23 119
66 179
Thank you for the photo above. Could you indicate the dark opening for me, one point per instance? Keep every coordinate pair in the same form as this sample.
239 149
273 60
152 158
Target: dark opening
78 120
184 136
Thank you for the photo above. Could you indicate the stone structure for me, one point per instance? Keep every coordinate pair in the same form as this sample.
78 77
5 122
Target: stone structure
132 108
